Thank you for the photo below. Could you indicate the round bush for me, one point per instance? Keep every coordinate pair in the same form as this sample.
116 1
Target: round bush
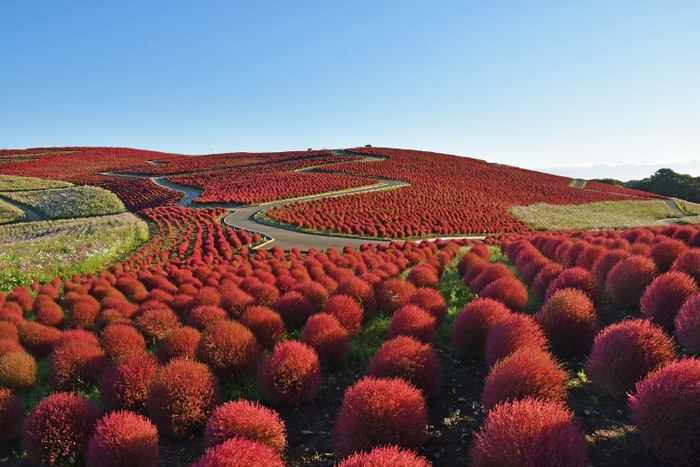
328 338
75 335
265 324
315 292
544 277
125 385
74 364
386 456
574 278
473 271
601 268
528 372
624 353
405 357
181 343
628 279
7 345
83 312
665 296
412 321
347 311
18 370
202 316
508 290
294 309
264 294
37 338
238 452
688 324
665 409
123 439
379 412
8 331
569 321
665 253
57 430
11 415
360 291
514 332
423 275
432 301
120 340
235 301
291 375
51 314
229 349
491 273
157 323
182 396
465 261
394 293
473 324
247 420
529 433
207 296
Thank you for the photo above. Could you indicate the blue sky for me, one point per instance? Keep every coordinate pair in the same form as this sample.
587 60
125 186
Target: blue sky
531 84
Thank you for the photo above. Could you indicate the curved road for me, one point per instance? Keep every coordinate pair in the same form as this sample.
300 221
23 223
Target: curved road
31 214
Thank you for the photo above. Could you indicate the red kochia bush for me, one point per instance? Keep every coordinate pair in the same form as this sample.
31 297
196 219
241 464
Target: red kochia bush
8 331
230 350
514 332
665 296
239 452
58 429
473 324
529 372
247 420
182 396
264 294
235 301
544 277
628 279
182 343
423 275
508 290
50 314
529 433
126 384
75 363
315 292
473 271
665 253
328 338
202 316
466 261
575 278
207 296
120 340
360 291
11 415
394 293
605 263
405 357
624 353
491 273
266 325
665 411
123 439
73 335
291 375
347 311
157 323
379 412
83 312
569 321
689 263
385 456
413 321
294 309
688 324
37 338
431 300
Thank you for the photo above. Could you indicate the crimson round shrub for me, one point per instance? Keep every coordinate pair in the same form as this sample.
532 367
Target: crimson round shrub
328 338
473 271
665 411
37 338
491 273
508 290
75 363
347 311
665 296
687 324
544 277
413 321
514 332
689 263
248 420
569 321
125 385
423 275
57 430
235 301
465 261
528 372
239 452
294 309
291 375
264 294
181 343
18 370
386 456
431 300
202 316
316 293
473 324
83 312
182 396
74 335
529 271
394 293
123 439
528 433
157 323
624 353
11 416
361 291
51 314
120 340
480 249
7 345
628 279
8 331
574 278
665 253
589 256
407 358
229 349
207 296
379 412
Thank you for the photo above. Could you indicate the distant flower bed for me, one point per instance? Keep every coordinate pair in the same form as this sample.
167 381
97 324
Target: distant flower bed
17 183
64 203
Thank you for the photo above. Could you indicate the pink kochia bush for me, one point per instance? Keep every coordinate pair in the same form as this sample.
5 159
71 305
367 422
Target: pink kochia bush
394 293
182 343
248 420
508 290
405 357
123 439
529 433
624 353
229 349
665 410
473 324
347 311
294 308
688 324
291 375
575 278
386 456
57 431
665 296
125 385
328 338
413 321
514 332
266 325
182 396
569 321
628 279
431 300
239 452
380 412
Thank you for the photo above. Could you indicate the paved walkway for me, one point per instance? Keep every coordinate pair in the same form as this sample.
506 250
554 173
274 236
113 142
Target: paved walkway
31 214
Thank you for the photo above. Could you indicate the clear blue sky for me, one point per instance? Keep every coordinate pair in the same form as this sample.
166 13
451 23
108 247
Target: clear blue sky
531 84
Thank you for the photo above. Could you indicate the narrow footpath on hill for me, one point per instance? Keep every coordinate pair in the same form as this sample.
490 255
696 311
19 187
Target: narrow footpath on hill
31 214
